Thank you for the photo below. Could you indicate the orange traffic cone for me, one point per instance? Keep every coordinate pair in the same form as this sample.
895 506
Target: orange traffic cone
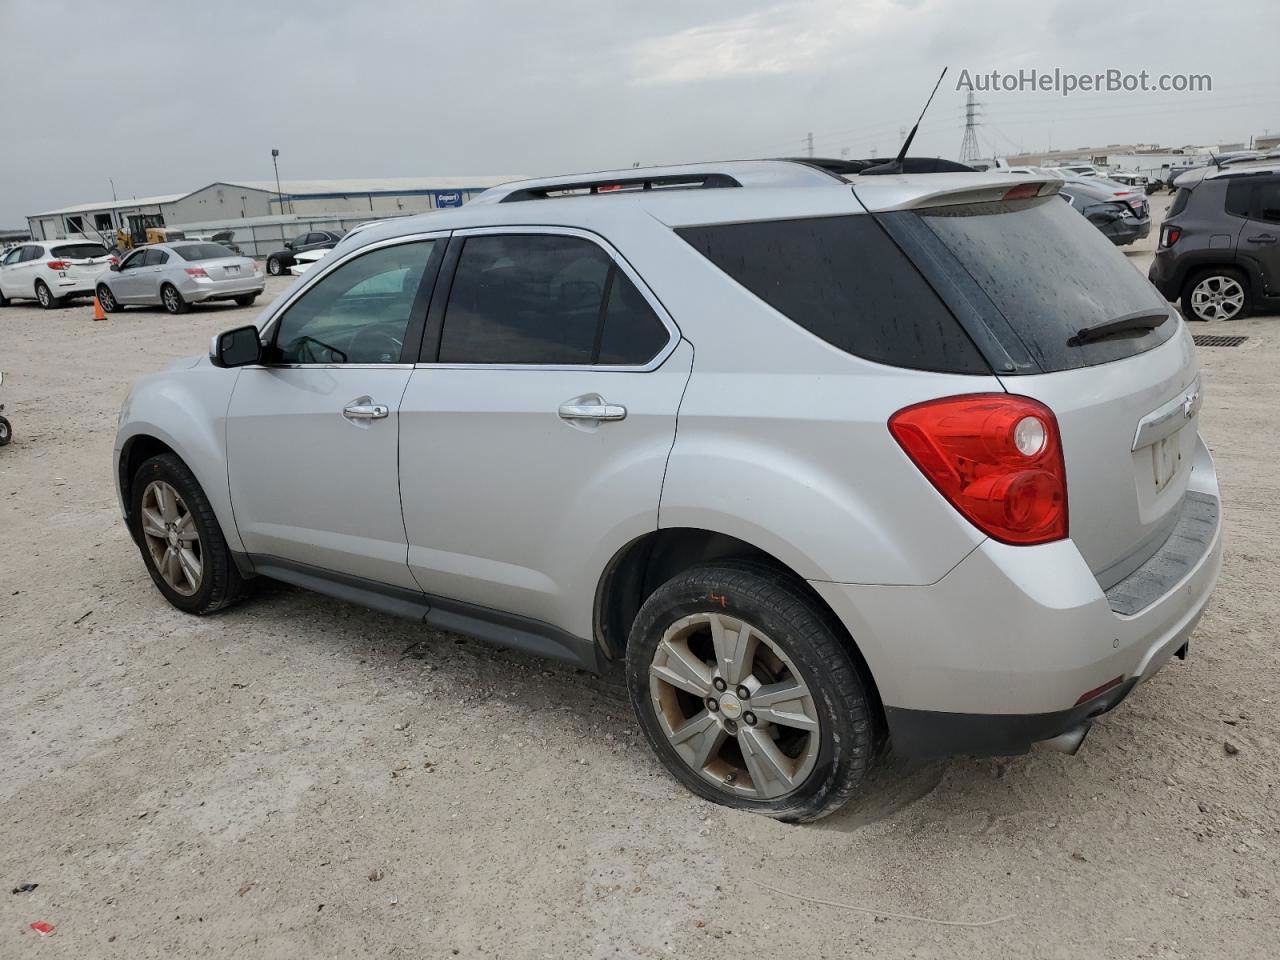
97 309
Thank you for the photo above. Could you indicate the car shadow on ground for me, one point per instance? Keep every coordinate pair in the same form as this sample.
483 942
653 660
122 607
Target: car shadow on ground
600 702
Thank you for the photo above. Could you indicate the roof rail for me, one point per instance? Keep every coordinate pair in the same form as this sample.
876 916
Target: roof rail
614 184
689 176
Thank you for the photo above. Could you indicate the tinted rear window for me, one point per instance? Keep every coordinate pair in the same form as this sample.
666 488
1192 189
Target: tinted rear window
844 280
202 251
1050 273
1179 201
79 251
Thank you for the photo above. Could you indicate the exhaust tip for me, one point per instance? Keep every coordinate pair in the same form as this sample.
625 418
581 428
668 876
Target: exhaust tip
1069 742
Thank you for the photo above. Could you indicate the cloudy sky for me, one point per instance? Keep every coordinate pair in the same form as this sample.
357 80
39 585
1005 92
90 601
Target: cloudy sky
166 96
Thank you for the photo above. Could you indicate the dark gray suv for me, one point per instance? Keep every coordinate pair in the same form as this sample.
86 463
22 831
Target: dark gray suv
1219 249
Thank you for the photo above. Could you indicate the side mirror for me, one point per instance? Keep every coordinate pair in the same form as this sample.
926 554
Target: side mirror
115 265
236 348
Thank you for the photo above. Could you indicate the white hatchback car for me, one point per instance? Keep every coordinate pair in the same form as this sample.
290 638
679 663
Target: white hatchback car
51 271
820 459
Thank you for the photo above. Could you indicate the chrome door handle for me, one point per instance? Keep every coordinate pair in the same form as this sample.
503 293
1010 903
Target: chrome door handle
1262 238
363 409
592 411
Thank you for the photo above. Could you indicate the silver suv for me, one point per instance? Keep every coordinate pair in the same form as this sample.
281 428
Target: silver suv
824 463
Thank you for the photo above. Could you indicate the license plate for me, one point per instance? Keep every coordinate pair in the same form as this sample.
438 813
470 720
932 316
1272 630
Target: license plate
1166 454
231 270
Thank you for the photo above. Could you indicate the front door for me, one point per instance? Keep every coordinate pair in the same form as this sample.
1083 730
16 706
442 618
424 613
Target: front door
534 439
312 432
11 274
127 285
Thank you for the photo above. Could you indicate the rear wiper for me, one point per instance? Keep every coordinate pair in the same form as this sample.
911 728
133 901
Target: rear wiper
1142 320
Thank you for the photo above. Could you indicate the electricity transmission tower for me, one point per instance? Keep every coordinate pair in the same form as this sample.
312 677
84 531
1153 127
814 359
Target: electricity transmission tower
969 149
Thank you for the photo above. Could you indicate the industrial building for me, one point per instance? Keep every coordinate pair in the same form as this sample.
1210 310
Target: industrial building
227 200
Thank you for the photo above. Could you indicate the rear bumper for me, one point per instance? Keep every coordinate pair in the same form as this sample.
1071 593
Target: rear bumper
73 286
1013 645
195 291
1122 232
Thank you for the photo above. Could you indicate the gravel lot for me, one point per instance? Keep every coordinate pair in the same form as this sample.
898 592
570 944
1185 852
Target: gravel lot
301 778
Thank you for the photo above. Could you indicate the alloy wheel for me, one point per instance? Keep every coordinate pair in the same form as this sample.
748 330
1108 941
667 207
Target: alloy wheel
734 707
173 542
1217 297
106 299
171 299
43 295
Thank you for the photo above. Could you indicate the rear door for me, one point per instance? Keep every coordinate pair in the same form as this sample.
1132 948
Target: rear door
1260 238
312 433
535 436
1127 405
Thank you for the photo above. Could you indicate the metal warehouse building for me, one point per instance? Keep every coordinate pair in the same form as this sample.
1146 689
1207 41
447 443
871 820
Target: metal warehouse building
254 199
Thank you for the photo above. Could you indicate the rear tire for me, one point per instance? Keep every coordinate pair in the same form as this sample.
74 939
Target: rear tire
6 432
109 303
274 266
45 297
1218 293
803 737
179 532
172 299
246 301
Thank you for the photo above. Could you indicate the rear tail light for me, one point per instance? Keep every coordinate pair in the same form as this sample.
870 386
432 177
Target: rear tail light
196 272
997 458
57 264
1170 236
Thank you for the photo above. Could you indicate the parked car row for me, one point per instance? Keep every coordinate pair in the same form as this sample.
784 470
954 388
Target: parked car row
173 275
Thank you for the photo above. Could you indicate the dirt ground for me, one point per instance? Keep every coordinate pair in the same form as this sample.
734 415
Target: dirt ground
301 778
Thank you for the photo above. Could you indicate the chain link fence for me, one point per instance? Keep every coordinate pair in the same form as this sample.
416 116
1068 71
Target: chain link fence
263 236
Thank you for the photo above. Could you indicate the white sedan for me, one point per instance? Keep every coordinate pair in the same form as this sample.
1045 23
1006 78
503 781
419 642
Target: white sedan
302 262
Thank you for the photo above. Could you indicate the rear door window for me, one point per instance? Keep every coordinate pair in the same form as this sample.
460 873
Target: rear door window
546 299
844 280
1266 200
1048 273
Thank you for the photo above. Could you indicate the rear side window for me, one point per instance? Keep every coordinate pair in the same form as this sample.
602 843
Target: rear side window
1179 202
1050 273
545 299
844 280
202 251
80 251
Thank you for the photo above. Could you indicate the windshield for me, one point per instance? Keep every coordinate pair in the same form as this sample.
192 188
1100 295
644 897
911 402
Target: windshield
79 251
1050 273
202 251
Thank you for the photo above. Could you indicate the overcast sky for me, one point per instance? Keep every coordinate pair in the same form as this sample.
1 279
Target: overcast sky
167 96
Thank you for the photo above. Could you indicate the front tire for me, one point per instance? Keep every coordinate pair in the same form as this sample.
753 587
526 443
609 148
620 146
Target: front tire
1219 293
748 692
172 299
246 301
45 297
109 303
6 432
179 537
274 266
